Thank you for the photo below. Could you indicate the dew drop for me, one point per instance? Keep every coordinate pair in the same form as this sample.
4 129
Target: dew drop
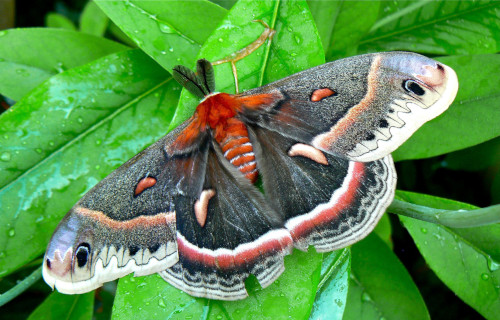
6 136
164 52
6 156
80 120
424 230
38 150
98 142
2 33
297 39
218 317
51 143
60 67
171 49
165 29
12 232
161 303
132 279
365 297
2 254
221 40
97 167
484 276
492 265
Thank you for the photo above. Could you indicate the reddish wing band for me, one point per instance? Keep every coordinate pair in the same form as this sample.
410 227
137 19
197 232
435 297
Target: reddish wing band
242 236
329 206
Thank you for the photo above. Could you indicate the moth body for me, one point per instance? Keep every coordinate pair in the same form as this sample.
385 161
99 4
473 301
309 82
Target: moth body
187 207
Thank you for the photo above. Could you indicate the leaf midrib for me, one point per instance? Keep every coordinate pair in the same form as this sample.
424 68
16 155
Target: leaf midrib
431 22
85 133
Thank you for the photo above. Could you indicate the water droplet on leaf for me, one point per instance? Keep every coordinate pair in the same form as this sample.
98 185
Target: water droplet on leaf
6 156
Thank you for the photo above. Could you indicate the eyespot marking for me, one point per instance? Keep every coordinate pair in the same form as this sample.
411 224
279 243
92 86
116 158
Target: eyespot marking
307 151
201 206
144 184
154 247
383 123
82 254
320 94
413 87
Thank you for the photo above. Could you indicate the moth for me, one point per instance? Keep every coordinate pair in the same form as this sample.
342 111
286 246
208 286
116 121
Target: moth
187 206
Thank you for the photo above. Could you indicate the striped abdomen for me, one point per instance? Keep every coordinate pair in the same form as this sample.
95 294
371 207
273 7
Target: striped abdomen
238 149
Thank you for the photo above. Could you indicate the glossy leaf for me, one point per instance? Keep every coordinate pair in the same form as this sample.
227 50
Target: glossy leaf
440 27
56 20
340 26
171 32
331 297
473 117
380 286
467 260
60 306
478 157
93 20
384 230
290 296
21 70
68 134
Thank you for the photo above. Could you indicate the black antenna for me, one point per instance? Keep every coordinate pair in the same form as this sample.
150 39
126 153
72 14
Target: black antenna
201 84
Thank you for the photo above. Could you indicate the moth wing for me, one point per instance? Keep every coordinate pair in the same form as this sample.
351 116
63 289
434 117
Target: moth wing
126 223
328 202
360 108
226 234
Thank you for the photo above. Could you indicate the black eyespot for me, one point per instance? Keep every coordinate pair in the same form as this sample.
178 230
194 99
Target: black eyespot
154 247
47 262
370 136
133 250
383 123
82 254
412 86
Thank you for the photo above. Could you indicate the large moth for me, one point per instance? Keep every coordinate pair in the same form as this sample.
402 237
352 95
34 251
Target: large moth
187 206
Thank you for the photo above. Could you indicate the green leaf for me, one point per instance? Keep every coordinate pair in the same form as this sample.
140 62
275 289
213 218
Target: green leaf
384 230
290 296
380 286
120 35
56 20
295 46
476 158
61 306
331 298
68 134
472 119
93 20
439 27
56 50
340 26
466 260
171 32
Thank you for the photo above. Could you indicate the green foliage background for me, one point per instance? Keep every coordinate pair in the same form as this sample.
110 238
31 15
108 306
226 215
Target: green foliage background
94 88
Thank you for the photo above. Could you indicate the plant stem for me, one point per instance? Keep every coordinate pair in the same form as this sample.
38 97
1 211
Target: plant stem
21 286
449 218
